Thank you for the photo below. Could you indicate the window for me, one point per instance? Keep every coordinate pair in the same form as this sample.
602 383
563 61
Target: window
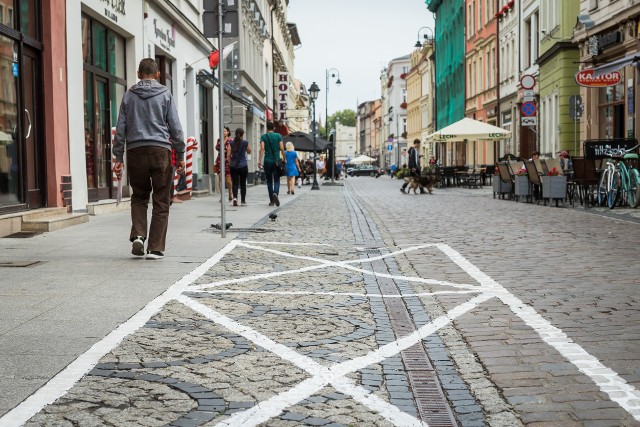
611 111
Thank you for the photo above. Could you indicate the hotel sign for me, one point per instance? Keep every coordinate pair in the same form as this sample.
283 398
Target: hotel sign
283 95
587 79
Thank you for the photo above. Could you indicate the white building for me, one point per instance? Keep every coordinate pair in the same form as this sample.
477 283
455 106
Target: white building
394 113
105 43
346 142
509 76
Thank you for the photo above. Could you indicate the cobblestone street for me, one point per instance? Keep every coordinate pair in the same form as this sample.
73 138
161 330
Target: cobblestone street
362 306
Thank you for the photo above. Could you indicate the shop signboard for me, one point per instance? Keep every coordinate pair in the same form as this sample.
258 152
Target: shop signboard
604 148
588 79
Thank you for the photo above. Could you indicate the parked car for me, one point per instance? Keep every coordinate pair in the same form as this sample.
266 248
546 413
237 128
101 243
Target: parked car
364 170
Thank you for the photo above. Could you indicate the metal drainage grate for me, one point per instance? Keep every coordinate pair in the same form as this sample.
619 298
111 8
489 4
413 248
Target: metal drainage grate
19 263
432 405
23 234
375 251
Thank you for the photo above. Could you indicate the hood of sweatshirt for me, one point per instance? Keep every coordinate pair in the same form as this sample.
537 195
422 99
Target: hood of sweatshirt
148 89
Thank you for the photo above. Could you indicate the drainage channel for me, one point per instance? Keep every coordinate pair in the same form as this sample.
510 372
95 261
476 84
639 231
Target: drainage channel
430 401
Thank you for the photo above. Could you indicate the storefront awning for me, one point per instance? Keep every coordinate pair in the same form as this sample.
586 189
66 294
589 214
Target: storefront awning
616 65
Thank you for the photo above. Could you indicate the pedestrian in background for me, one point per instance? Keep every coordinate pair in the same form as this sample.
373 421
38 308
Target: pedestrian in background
148 128
293 167
414 164
227 166
271 153
239 169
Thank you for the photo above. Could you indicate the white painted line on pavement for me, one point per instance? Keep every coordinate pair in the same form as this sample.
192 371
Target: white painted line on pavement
348 294
69 376
605 378
321 377
322 263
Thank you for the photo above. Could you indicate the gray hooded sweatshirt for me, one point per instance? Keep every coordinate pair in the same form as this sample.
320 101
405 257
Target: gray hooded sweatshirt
148 117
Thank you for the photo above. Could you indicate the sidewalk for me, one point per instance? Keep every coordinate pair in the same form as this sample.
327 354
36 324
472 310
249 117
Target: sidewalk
76 285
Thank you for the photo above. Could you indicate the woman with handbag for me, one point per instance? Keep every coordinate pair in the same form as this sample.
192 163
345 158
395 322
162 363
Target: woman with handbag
272 148
239 169
227 167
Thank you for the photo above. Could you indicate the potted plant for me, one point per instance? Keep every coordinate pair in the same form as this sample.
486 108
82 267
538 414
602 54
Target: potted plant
521 184
554 186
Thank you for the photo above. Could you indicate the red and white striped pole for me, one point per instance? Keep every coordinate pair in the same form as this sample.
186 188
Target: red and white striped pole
191 142
114 178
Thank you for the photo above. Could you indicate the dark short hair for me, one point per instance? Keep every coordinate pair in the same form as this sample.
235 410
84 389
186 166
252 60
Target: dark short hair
148 67
270 125
535 153
416 141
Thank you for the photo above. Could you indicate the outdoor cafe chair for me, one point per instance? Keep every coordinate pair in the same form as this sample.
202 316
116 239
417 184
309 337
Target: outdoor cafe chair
534 179
505 176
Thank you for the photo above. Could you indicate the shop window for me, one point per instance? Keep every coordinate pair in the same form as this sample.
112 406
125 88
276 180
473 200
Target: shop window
165 67
103 53
611 112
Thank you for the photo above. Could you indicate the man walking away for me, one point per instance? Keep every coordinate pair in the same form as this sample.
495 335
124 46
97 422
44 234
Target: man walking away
148 127
414 164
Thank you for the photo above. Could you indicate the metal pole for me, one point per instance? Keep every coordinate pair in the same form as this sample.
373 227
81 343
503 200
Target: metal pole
398 139
223 216
575 117
315 153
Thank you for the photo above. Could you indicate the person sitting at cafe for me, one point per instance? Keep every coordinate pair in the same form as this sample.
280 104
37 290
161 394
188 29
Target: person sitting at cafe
565 161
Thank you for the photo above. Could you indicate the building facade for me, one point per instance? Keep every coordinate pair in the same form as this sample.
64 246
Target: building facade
394 95
34 155
558 63
607 35
509 74
481 78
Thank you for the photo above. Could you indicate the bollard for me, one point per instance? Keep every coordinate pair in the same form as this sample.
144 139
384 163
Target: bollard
191 143
114 178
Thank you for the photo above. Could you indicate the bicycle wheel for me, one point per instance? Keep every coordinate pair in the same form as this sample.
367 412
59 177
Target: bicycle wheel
614 190
634 187
603 188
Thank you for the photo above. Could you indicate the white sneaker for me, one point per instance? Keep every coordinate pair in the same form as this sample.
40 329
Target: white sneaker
155 255
137 246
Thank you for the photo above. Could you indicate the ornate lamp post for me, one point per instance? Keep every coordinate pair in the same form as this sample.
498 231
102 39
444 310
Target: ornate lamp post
427 39
314 90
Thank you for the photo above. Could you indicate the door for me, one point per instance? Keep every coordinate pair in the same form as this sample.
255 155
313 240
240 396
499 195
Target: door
99 178
31 129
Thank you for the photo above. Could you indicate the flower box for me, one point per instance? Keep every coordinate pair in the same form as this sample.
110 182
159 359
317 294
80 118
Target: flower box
554 187
521 186
499 187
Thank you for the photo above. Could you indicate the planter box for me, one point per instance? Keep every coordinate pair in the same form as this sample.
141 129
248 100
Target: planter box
521 186
500 187
554 187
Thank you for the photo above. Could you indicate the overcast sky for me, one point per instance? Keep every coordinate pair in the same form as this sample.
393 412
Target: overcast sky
359 38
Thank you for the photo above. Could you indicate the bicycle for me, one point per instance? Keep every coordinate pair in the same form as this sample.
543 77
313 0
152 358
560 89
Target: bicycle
617 180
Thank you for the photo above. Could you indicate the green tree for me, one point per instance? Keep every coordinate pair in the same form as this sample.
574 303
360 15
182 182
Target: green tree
345 117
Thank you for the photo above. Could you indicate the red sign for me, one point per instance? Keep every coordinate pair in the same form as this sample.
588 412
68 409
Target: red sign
586 78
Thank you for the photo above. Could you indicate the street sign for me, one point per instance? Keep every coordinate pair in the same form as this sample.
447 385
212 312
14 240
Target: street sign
527 81
575 106
528 121
389 147
299 113
528 95
528 109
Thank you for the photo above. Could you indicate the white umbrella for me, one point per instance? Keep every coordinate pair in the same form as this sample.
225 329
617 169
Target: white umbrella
363 159
470 129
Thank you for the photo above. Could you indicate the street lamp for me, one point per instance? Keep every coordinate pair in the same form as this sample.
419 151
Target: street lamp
314 90
426 37
333 72
397 137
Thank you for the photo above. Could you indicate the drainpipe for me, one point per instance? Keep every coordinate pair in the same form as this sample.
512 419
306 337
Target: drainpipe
499 119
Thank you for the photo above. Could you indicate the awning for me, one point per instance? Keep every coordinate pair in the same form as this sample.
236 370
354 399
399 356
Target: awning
619 63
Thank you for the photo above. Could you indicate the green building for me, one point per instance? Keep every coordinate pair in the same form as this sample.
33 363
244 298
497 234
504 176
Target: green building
450 60
558 63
